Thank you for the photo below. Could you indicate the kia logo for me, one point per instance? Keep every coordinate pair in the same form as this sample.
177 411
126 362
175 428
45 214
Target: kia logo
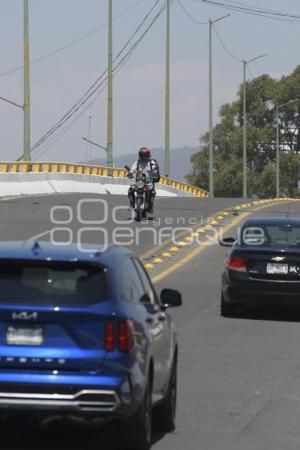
24 315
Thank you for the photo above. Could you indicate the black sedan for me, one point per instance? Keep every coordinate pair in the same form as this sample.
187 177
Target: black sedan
263 265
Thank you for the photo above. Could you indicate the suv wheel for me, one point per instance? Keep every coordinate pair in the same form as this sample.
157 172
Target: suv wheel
165 413
137 430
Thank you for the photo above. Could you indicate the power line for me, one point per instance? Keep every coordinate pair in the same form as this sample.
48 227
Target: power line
119 65
189 15
41 152
72 43
269 14
95 86
247 5
225 46
75 120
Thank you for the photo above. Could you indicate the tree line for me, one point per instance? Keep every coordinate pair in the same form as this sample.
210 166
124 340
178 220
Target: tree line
263 94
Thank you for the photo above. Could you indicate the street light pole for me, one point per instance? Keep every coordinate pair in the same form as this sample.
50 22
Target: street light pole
245 190
211 144
110 89
211 156
245 193
26 147
277 153
278 107
167 96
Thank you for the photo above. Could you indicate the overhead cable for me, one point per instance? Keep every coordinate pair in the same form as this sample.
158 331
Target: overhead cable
72 43
189 15
96 85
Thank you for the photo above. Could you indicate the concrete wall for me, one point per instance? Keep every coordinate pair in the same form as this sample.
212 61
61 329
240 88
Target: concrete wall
15 184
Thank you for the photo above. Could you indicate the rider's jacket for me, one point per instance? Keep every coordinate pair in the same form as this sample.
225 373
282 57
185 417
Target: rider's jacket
150 169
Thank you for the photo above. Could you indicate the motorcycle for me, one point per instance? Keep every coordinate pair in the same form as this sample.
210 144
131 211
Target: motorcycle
142 193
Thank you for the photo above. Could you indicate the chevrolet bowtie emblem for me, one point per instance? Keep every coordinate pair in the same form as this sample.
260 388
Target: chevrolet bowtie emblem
278 258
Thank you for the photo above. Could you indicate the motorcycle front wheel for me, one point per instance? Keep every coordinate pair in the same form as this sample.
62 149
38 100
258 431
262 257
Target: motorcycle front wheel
139 202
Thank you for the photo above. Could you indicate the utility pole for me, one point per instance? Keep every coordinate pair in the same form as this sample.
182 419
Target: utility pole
245 193
211 143
167 96
245 190
26 147
277 153
110 89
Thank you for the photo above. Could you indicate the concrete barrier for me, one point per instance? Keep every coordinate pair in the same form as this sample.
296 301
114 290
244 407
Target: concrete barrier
34 183
82 170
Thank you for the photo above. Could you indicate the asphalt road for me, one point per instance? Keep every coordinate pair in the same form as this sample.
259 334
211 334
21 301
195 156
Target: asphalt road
25 218
239 379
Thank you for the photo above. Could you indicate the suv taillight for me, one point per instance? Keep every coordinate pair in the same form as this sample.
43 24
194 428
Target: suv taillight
109 337
119 335
125 335
236 263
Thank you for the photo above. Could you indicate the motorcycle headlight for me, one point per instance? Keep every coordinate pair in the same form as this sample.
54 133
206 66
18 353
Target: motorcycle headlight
140 184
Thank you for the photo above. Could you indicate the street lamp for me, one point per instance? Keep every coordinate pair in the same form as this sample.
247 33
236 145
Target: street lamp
96 145
278 107
245 63
11 103
211 150
26 106
18 106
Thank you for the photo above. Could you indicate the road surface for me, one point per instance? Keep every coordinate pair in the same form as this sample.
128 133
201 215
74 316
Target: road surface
239 379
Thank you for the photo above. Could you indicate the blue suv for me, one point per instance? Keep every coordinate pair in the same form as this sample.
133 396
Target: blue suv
84 334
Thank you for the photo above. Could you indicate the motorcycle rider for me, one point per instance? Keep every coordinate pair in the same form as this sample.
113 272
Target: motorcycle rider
149 167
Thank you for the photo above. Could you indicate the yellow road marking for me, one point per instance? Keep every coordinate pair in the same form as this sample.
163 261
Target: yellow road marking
158 261
195 252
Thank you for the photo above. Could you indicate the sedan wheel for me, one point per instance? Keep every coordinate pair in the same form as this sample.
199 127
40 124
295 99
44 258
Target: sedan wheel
227 309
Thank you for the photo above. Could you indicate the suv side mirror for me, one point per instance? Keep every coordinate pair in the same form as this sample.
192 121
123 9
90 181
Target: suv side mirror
170 298
227 242
145 299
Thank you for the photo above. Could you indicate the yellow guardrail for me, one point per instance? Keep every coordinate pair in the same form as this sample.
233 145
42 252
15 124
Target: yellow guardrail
84 169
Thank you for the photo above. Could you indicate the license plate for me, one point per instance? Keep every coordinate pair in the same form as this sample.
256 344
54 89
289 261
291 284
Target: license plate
24 336
277 269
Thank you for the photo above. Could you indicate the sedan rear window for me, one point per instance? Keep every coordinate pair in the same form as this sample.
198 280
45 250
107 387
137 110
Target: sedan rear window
51 283
271 235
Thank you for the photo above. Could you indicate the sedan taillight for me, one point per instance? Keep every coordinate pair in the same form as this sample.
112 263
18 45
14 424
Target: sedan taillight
236 263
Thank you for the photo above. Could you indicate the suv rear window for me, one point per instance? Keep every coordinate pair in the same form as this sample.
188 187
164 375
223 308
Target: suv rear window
51 283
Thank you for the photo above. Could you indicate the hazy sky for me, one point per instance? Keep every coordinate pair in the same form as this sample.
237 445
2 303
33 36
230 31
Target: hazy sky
58 81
